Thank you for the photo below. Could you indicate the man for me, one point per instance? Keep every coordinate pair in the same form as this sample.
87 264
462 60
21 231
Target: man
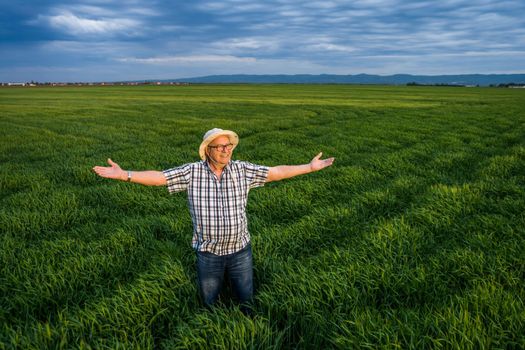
217 189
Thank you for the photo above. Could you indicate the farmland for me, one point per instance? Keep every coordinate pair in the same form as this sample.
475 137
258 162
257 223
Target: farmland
413 239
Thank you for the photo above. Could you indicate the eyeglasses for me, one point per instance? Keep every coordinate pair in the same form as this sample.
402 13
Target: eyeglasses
222 148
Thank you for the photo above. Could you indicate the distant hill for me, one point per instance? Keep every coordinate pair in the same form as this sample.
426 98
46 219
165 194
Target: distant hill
397 79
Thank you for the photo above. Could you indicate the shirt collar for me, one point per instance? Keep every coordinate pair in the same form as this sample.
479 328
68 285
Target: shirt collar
207 165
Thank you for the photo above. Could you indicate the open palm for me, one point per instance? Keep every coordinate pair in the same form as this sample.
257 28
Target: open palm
317 163
111 172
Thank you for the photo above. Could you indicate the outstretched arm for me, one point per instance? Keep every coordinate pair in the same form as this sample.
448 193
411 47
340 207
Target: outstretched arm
286 171
148 178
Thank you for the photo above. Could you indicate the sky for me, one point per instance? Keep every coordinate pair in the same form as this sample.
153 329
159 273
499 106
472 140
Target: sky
117 40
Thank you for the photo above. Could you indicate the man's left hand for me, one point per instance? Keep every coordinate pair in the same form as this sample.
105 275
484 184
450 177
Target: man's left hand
317 163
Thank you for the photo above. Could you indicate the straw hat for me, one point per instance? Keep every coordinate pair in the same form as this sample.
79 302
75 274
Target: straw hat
212 134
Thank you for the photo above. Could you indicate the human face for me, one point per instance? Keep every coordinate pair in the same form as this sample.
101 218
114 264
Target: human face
221 155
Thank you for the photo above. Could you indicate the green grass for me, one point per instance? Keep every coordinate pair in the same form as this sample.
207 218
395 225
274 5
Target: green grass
413 239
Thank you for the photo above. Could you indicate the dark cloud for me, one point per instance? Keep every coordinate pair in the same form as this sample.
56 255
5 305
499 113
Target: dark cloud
170 39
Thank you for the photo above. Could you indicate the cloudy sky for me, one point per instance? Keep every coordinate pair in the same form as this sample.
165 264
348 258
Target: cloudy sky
111 40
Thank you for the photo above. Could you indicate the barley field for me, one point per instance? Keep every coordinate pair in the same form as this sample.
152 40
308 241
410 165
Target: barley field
413 239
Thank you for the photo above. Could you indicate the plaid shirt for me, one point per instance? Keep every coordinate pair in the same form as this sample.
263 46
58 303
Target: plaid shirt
217 208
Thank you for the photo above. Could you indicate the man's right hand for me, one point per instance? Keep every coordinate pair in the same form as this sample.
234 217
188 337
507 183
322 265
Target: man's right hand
111 172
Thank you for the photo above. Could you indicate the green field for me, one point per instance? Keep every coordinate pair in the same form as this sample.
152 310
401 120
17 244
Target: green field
413 239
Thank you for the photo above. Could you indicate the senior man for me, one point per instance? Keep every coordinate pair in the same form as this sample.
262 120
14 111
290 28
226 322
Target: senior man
217 189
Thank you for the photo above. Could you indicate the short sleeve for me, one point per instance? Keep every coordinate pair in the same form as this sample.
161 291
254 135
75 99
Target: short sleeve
255 174
178 178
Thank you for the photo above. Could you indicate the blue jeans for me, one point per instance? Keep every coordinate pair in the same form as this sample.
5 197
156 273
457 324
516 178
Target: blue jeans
211 269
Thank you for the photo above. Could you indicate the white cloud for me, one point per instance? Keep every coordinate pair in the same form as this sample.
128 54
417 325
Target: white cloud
89 48
261 44
168 60
212 6
87 10
89 20
232 6
321 4
171 28
72 24
144 11
323 47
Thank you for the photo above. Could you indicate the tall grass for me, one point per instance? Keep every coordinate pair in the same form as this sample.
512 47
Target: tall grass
414 238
